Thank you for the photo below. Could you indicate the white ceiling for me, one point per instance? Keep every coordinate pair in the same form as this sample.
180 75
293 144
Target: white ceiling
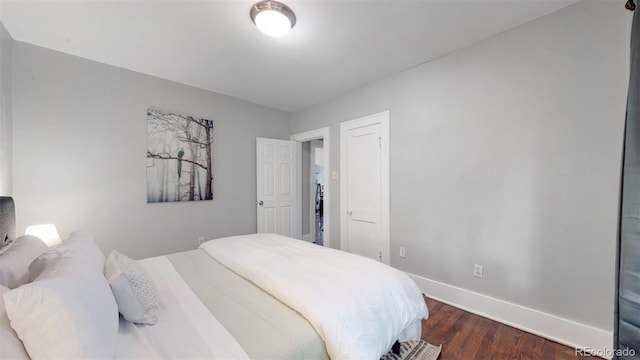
336 46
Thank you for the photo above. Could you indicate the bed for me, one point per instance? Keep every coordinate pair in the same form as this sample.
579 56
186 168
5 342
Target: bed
259 296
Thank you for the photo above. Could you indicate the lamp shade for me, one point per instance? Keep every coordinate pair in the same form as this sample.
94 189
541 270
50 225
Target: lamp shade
46 232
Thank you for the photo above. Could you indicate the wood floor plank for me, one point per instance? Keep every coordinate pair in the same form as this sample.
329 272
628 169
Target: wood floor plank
484 351
467 336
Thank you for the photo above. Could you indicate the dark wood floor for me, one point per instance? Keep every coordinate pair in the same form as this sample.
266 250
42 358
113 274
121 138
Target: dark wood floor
464 335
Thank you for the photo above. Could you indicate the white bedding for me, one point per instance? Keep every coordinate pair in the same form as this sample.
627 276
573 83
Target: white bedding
185 328
359 307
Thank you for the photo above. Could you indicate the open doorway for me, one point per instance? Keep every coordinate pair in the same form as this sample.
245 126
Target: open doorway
313 191
313 186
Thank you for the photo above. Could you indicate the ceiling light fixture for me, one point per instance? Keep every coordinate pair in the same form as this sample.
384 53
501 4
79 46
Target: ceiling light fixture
273 18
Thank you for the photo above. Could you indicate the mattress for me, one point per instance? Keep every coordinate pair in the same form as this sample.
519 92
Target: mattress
263 326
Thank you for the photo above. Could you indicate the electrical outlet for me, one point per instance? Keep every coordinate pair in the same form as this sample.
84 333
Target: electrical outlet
403 252
200 240
477 270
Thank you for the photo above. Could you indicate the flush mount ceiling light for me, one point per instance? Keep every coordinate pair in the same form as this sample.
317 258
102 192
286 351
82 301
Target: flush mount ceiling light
273 18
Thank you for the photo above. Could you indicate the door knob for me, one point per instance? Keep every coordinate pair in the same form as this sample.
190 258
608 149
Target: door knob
349 212
260 203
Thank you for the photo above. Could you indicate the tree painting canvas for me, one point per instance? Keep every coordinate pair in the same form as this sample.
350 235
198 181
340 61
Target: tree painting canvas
179 157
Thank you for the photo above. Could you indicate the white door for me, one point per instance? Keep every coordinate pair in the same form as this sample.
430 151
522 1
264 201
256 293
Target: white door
276 202
364 186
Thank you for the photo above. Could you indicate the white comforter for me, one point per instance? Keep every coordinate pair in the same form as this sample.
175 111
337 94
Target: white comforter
359 306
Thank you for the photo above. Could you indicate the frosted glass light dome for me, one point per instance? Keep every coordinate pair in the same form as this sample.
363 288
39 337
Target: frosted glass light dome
273 18
273 23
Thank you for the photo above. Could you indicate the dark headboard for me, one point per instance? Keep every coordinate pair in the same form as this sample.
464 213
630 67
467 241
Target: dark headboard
7 220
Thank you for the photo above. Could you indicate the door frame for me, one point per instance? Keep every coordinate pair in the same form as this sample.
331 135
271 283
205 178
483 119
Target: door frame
312 198
317 134
381 118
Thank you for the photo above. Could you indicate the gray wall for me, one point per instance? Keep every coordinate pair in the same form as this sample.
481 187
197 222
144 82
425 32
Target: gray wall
507 154
6 54
79 154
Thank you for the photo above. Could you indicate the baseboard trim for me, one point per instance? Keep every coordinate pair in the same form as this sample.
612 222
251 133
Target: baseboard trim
567 332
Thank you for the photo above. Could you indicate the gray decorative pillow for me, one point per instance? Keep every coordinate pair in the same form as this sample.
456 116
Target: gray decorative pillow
15 260
133 289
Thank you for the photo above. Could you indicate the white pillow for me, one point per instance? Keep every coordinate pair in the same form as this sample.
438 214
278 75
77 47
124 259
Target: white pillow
80 242
10 346
14 261
83 242
133 289
68 312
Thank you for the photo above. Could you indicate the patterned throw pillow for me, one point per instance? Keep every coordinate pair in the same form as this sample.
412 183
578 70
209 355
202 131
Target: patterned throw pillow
133 289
